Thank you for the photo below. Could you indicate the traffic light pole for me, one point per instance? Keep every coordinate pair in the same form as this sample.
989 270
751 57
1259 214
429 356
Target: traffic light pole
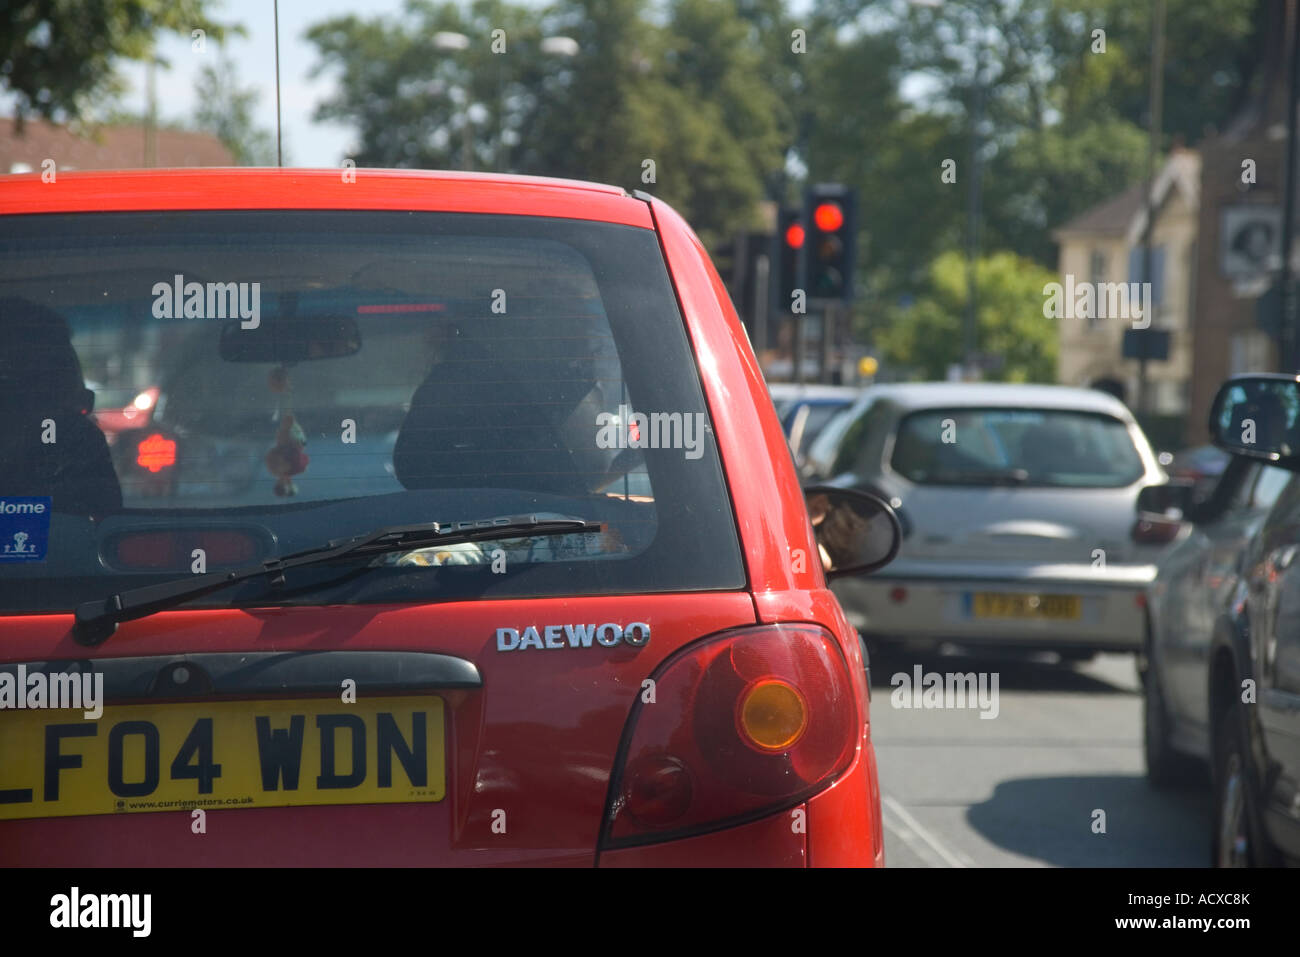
798 348
828 340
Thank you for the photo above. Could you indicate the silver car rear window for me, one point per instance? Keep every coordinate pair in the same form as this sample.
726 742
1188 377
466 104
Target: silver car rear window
1045 447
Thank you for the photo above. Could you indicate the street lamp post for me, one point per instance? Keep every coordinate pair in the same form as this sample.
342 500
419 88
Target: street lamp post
1155 121
970 320
970 315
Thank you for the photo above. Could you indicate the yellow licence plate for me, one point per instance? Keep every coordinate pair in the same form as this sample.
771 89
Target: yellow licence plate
224 754
1058 607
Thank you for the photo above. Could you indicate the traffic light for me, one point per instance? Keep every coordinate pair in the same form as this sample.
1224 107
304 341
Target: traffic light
829 248
789 246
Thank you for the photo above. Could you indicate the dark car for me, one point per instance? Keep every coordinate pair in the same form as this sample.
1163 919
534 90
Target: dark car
1194 578
1240 670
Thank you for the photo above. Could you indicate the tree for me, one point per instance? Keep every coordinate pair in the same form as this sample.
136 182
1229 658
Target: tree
1212 52
927 336
861 132
416 103
683 97
606 112
724 125
226 110
1063 120
1051 175
57 58
1041 63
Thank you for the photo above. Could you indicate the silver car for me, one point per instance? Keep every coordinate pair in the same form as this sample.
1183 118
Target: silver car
1018 505
804 410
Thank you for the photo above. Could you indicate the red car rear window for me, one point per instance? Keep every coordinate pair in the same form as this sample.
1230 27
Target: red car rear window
312 375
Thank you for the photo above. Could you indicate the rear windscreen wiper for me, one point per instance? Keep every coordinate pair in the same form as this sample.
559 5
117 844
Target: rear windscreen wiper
96 620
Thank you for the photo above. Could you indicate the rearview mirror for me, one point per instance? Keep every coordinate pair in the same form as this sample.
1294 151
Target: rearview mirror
1255 416
289 340
857 532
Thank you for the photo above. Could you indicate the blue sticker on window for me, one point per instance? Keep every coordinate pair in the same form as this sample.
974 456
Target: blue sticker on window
24 528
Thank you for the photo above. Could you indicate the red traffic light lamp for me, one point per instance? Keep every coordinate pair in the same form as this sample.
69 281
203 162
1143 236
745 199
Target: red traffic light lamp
827 256
828 216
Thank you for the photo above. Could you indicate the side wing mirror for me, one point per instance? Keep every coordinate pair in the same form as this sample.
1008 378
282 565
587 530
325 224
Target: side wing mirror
1154 525
857 532
1256 416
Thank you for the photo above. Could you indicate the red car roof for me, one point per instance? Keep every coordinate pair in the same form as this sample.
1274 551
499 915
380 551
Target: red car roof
389 189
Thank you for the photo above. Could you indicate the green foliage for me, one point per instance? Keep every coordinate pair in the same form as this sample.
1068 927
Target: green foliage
1037 61
862 133
1053 174
688 91
1063 129
414 104
57 56
927 336
226 110
1212 50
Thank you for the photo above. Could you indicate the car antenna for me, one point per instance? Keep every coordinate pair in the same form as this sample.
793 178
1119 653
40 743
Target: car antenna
279 159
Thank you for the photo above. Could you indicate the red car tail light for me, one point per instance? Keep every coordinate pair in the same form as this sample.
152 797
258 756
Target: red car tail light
741 725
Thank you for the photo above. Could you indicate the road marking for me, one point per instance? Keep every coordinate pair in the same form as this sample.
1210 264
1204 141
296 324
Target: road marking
913 829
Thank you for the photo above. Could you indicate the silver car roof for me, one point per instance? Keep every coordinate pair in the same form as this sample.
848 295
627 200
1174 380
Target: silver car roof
813 390
926 395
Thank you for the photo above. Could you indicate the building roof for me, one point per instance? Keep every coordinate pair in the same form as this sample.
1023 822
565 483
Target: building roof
103 147
1110 217
1123 216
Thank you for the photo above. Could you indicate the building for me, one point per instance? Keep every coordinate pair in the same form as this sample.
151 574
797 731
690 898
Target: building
104 147
1103 246
1243 182
1218 227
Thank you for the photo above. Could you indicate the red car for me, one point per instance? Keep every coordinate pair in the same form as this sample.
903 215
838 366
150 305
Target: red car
479 540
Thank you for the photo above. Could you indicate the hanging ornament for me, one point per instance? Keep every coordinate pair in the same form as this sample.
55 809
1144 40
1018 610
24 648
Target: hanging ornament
286 458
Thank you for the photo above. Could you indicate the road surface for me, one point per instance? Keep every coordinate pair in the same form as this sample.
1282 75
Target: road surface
1025 788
